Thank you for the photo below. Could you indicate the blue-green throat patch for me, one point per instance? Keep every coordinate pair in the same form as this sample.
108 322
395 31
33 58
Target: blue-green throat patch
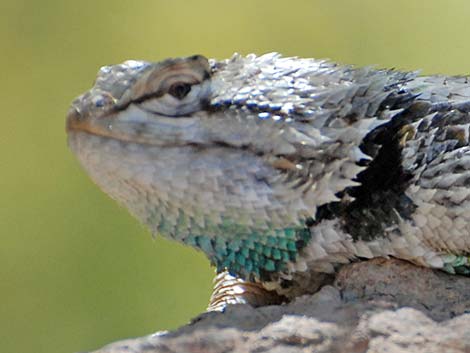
255 254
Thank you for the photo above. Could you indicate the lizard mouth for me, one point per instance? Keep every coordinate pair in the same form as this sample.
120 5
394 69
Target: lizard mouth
135 125
75 122
80 123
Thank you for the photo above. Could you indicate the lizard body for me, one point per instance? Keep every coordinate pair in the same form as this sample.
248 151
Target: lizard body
283 169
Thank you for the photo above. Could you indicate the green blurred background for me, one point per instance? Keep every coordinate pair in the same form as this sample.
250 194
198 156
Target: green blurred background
76 271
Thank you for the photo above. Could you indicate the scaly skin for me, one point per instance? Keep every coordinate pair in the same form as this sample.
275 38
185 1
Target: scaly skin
282 169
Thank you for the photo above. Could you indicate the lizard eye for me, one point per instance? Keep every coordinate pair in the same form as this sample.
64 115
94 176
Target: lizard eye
181 98
174 87
179 90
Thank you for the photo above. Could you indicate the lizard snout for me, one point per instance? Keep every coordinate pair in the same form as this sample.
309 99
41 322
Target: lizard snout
74 118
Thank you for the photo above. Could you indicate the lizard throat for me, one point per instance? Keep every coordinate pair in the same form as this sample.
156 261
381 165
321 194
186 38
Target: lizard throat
217 200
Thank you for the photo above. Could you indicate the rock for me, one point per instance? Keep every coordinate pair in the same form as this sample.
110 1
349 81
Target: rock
373 306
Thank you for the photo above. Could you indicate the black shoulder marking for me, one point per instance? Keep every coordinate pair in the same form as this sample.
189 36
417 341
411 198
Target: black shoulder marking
380 200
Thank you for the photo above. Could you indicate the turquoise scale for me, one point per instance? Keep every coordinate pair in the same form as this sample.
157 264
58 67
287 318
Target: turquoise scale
253 255
460 265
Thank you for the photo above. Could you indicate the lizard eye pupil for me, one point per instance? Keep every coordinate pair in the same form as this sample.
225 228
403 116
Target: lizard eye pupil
180 90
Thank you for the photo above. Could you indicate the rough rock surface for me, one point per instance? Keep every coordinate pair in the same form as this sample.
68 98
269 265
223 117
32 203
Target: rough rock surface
374 306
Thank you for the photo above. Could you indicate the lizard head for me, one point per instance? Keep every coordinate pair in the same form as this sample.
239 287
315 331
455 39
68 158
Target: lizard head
233 157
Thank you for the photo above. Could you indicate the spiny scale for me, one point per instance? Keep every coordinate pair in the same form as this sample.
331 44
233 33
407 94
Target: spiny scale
283 169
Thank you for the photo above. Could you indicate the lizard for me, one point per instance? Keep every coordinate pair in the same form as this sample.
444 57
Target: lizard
283 169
